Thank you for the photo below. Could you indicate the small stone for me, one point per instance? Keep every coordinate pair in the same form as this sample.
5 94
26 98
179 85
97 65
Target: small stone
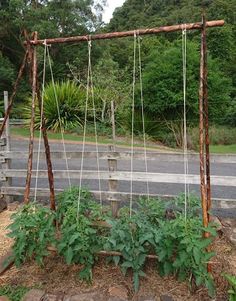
119 292
4 298
13 206
34 295
146 298
215 220
166 298
3 205
6 261
50 297
87 297
116 299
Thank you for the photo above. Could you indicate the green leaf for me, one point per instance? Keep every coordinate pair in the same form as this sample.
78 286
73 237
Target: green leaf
136 281
116 259
197 255
199 280
210 286
69 255
168 268
204 243
127 264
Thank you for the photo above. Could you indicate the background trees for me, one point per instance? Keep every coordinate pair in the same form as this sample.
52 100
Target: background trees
113 60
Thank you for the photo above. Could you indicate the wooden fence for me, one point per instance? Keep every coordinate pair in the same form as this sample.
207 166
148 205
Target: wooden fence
112 176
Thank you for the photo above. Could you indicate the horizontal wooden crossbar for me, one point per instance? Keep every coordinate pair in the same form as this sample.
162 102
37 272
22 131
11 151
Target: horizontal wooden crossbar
169 157
109 195
113 35
122 176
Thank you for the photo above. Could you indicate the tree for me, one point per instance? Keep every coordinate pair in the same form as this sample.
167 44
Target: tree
50 18
163 87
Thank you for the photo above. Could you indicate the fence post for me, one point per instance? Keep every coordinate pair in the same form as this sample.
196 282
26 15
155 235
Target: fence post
113 184
113 123
6 146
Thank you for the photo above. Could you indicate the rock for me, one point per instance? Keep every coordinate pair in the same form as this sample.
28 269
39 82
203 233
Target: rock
13 206
87 297
229 230
146 298
34 295
116 299
119 292
166 298
4 298
50 297
215 220
3 205
6 262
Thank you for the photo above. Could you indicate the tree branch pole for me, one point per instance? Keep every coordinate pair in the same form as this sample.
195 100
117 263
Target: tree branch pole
33 55
113 35
206 117
202 135
19 76
47 153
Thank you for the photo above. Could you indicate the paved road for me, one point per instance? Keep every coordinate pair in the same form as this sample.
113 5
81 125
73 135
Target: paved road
153 166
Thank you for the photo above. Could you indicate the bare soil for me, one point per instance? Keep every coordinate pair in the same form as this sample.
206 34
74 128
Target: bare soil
57 277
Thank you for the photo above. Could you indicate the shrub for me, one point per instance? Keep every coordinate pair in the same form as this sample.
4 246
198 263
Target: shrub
219 135
70 98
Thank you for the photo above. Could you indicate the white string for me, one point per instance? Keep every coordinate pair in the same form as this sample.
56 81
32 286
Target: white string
95 123
59 117
185 144
84 133
132 129
143 117
41 122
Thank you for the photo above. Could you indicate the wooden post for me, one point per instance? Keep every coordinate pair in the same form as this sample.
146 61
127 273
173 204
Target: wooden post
48 155
31 139
206 118
201 134
113 184
7 126
113 123
5 146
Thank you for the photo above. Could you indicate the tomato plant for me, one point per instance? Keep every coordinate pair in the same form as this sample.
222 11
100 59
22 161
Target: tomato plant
33 230
79 242
177 242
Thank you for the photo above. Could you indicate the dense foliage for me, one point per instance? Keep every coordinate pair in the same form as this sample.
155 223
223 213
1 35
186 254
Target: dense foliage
232 282
112 61
63 106
178 242
14 293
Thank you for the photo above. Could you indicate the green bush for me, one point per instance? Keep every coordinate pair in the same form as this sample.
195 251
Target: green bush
70 98
219 135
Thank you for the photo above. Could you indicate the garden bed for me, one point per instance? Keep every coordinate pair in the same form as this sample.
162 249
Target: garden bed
55 276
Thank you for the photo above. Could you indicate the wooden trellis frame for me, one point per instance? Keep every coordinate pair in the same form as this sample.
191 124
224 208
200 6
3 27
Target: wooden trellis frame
30 58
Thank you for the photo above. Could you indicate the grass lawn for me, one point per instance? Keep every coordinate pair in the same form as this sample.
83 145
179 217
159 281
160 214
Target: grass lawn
24 132
223 149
